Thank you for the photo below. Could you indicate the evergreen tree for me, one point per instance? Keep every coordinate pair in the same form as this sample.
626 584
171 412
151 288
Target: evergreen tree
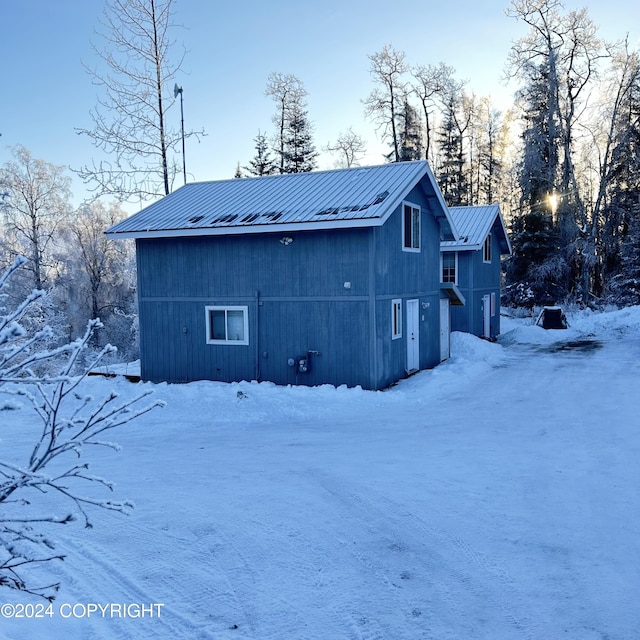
451 175
293 140
261 164
409 133
564 47
490 149
536 261
621 210
541 141
299 152
625 285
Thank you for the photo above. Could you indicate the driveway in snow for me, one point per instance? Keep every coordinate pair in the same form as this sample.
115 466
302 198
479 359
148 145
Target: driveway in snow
496 497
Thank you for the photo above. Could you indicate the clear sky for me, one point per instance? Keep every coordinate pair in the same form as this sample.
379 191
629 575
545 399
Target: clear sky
232 46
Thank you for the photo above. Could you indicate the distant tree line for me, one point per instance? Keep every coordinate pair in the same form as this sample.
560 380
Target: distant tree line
86 275
563 162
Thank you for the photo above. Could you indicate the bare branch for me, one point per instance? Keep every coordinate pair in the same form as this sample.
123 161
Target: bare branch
70 424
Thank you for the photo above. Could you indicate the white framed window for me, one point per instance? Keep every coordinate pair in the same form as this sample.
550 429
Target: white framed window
486 253
410 227
227 325
449 266
396 319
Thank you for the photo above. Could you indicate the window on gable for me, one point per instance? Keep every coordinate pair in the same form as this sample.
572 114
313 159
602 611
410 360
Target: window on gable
227 325
487 249
396 319
411 228
450 266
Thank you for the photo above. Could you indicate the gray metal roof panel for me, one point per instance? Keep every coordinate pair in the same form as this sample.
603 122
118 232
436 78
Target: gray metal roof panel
474 224
252 204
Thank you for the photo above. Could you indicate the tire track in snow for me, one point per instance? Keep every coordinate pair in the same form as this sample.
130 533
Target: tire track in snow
447 555
308 563
162 569
215 609
109 581
247 563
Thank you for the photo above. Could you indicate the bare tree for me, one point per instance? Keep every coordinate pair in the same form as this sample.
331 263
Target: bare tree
289 94
37 202
349 147
130 121
387 70
97 273
619 126
431 82
70 424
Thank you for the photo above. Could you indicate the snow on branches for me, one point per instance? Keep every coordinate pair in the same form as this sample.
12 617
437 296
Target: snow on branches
51 473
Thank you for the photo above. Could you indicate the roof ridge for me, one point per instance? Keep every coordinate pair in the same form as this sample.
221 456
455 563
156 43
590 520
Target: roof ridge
305 173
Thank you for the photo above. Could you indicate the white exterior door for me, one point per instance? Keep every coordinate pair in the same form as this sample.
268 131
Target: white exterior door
486 315
445 330
413 335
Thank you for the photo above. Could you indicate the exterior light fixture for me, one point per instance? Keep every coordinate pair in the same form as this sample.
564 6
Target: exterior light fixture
286 240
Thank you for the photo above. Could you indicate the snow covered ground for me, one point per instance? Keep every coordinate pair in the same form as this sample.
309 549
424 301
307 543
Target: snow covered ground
495 497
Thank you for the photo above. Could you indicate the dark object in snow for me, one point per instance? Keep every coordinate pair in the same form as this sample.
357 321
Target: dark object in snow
552 318
580 346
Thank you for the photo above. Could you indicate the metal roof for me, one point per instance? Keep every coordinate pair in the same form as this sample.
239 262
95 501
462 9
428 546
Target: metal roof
362 196
474 223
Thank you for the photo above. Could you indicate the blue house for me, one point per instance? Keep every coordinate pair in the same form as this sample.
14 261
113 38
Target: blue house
310 278
472 264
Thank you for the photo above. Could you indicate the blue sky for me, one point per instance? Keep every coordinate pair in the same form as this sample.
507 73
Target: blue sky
231 49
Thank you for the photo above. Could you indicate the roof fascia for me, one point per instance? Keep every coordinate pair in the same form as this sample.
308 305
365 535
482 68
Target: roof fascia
402 193
440 200
504 231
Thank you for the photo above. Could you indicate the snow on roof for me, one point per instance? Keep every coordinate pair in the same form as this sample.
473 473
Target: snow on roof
362 196
474 224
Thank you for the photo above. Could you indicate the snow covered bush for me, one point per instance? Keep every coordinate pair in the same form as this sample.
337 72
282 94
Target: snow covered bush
49 474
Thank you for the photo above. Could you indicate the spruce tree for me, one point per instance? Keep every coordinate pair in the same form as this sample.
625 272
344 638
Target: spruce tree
262 164
293 143
409 133
299 151
451 175
536 262
621 227
625 285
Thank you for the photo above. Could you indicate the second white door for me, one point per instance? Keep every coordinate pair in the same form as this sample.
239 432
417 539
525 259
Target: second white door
413 335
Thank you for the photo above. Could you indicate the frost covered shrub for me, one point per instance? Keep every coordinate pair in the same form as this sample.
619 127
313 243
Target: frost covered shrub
67 424
518 295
